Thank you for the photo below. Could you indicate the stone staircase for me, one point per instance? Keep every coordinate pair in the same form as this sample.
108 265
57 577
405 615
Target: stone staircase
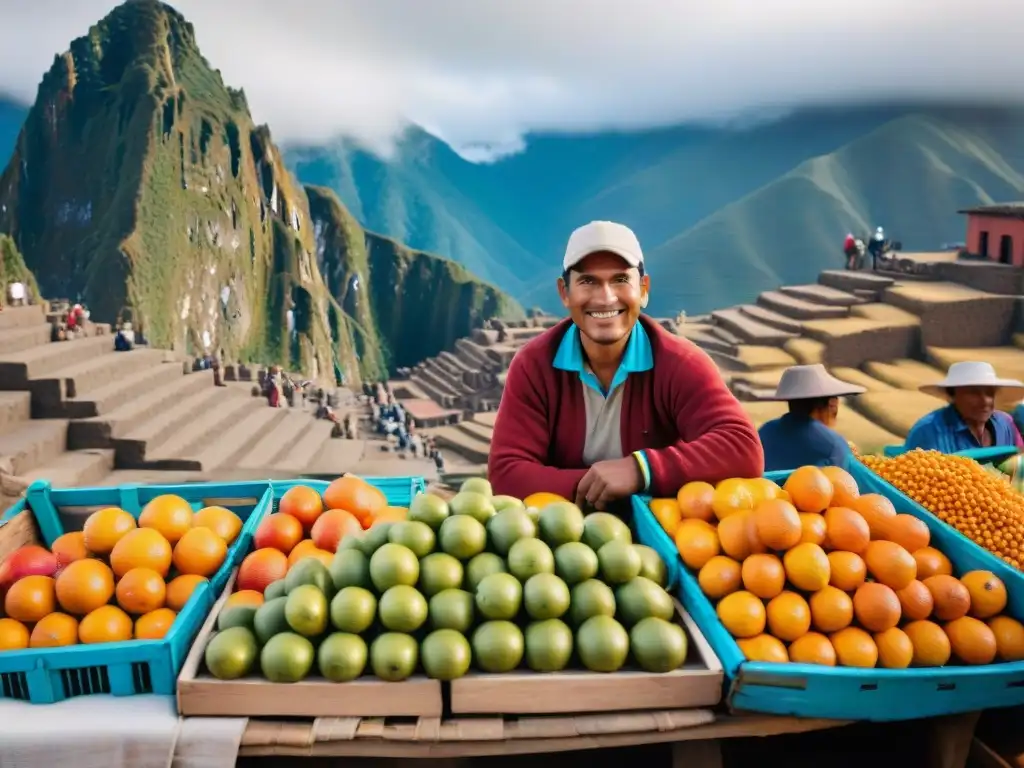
888 334
73 411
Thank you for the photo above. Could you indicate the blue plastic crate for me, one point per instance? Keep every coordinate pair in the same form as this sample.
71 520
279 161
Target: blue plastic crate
399 491
846 693
44 676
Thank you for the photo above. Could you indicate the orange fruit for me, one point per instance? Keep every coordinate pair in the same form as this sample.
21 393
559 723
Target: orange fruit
155 624
13 635
844 487
30 598
789 616
106 624
763 648
220 520
697 542
875 509
69 547
951 598
392 515
810 489
778 524
719 577
27 560
355 496
84 586
812 648
890 564
279 531
141 548
244 597
831 609
1009 635
847 530
731 496
261 568
105 527
812 529
876 607
931 562
334 525
199 551
537 500
895 651
737 536
694 502
763 489
907 531
971 640
807 567
742 614
180 589
855 648
988 594
141 590
301 550
305 505
54 631
169 515
763 575
915 601
846 570
665 511
931 645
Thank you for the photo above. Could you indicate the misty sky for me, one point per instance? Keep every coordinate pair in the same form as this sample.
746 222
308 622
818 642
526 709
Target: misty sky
483 72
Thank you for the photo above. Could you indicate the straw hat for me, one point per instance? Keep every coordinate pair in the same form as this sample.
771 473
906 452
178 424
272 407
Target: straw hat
970 374
808 382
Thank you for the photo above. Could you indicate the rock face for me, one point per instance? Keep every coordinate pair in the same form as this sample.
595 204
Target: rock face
140 181
410 303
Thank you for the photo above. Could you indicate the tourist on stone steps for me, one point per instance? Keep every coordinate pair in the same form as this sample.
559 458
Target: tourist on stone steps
971 419
876 247
607 403
850 250
807 435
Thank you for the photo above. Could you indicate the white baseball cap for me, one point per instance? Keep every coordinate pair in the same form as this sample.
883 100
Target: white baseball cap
598 236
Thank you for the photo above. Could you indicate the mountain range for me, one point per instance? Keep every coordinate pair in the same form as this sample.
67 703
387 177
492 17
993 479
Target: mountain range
723 212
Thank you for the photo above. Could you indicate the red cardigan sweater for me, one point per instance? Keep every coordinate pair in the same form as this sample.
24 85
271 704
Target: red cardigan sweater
680 413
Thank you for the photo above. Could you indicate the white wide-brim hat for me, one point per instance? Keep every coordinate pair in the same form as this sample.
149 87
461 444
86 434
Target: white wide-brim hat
970 374
810 382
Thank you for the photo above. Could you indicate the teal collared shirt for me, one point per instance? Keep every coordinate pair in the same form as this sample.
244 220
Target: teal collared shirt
636 358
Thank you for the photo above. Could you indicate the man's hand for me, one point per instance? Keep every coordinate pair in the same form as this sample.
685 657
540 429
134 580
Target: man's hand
608 481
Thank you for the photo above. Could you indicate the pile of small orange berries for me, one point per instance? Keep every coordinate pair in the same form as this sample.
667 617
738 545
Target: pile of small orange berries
956 489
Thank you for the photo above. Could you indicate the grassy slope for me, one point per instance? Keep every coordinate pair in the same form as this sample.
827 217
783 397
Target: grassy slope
910 175
13 268
438 300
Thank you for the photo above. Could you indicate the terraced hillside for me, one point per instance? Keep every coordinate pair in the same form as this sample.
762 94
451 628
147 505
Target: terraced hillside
889 333
71 412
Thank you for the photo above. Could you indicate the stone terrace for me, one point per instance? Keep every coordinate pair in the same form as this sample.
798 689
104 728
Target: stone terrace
72 412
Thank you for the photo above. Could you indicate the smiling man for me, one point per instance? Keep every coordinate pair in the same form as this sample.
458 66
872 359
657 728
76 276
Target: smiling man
608 403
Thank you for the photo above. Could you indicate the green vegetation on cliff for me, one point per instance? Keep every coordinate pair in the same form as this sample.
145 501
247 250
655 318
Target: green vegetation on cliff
139 180
13 270
418 302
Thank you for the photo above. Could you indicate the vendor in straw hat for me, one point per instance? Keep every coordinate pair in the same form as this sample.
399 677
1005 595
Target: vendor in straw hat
806 434
971 419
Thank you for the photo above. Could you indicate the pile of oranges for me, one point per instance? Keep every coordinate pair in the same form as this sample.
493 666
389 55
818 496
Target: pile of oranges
984 507
308 525
814 572
117 579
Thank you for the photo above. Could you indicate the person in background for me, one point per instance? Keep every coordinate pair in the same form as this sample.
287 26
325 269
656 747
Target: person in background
876 247
806 434
971 419
607 403
16 292
850 250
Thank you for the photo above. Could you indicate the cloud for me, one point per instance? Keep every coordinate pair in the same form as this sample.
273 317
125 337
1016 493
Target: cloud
481 74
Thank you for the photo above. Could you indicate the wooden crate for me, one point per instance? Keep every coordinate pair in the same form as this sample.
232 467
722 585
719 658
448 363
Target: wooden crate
201 695
698 683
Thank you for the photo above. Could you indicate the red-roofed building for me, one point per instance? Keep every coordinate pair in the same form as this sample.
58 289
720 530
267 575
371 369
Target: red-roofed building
996 232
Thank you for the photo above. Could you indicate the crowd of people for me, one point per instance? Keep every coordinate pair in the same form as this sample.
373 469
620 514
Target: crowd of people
856 248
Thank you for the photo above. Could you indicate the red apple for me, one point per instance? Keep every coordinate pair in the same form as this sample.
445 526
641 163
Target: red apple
30 560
